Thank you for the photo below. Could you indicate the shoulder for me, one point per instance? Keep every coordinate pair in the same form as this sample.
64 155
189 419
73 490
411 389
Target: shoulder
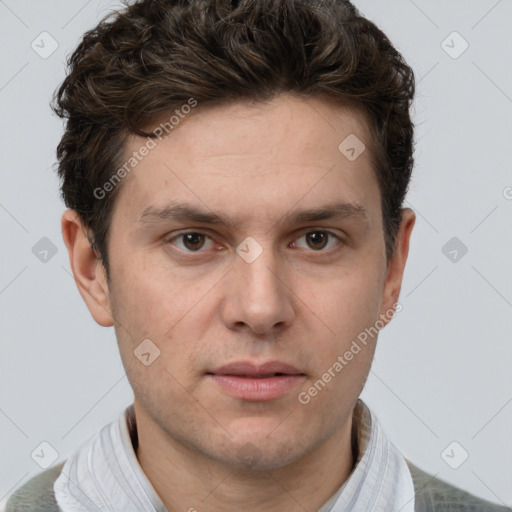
37 494
436 495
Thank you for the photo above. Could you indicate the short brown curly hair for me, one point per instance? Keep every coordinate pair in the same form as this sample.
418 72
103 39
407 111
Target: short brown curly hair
153 56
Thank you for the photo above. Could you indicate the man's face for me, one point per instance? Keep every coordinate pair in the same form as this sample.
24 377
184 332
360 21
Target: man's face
299 291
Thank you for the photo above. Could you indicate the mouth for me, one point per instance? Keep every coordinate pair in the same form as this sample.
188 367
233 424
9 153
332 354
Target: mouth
252 370
258 376
252 382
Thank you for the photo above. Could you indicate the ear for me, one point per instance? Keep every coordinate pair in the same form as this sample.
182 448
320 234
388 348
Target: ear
88 270
396 265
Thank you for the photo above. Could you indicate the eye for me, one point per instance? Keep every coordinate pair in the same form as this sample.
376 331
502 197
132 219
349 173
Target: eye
191 242
317 240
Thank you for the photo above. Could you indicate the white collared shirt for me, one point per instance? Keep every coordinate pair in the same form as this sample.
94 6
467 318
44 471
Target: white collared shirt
104 474
380 480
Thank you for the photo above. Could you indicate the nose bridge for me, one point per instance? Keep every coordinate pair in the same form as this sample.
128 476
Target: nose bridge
260 298
261 277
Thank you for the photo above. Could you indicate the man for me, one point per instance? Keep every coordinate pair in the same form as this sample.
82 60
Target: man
235 174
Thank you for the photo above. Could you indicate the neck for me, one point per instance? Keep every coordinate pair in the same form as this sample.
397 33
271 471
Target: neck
187 480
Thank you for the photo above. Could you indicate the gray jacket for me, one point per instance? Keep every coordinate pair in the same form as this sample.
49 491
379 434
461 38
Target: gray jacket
432 495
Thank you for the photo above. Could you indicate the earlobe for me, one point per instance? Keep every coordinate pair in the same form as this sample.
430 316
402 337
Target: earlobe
87 268
397 263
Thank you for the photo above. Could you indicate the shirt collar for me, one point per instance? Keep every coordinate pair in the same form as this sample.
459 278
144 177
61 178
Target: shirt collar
381 479
105 474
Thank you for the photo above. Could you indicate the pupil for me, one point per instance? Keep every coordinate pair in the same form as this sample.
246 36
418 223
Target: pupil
194 241
317 240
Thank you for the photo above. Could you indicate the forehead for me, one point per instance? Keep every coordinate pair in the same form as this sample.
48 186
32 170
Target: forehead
256 159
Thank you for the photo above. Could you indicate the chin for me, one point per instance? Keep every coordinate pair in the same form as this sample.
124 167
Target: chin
264 448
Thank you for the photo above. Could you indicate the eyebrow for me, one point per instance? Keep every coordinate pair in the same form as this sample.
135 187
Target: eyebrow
183 212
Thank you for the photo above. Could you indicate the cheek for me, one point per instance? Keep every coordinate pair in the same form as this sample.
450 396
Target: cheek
343 312
347 303
157 305
149 298
343 354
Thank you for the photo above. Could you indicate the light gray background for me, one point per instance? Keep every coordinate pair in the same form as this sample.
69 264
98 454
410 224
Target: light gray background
442 368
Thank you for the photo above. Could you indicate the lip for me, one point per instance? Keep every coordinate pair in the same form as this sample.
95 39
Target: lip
253 382
248 369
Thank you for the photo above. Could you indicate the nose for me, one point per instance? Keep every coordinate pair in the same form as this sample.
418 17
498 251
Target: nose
258 297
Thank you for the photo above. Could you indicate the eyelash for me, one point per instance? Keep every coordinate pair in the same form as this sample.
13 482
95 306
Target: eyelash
330 234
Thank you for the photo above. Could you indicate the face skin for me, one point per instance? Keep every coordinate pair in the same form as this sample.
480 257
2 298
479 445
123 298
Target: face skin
302 301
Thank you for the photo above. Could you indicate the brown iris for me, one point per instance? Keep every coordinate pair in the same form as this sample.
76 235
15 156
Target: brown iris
193 241
317 239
